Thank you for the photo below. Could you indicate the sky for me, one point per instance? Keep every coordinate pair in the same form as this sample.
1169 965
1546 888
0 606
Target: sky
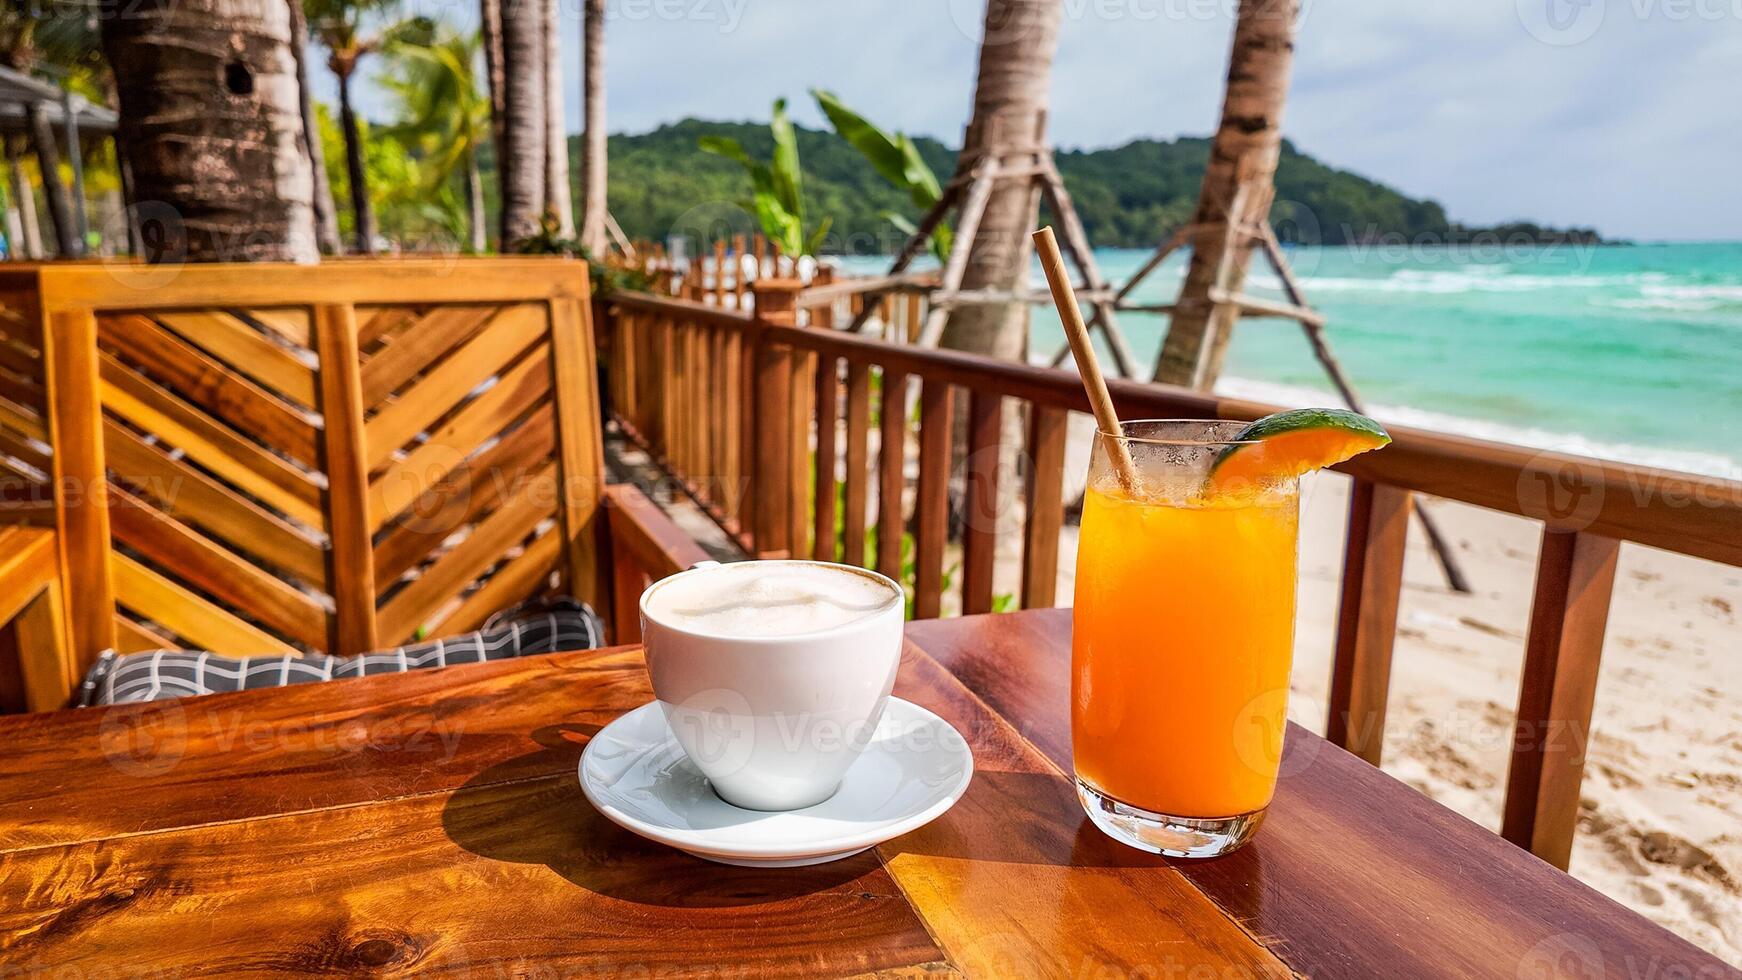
1625 115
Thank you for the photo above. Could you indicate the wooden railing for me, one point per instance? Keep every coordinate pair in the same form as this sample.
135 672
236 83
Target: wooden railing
767 419
723 272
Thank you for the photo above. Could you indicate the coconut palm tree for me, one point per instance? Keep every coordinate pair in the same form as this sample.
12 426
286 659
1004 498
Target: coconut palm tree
1010 96
521 156
444 112
593 157
227 157
490 27
326 214
559 201
351 30
1243 155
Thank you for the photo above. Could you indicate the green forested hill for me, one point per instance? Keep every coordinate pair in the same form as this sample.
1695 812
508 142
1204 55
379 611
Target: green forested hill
1129 196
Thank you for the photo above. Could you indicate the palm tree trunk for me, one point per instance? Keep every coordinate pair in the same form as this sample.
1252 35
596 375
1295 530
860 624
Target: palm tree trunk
475 220
24 199
593 156
490 34
1010 95
326 212
1242 155
60 205
522 162
238 178
361 210
559 200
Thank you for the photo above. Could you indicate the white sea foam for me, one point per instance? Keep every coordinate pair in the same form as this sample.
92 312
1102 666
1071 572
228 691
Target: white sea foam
1670 304
1480 279
1689 461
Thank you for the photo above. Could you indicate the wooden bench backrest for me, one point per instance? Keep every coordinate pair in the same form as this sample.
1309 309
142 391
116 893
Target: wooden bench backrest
337 458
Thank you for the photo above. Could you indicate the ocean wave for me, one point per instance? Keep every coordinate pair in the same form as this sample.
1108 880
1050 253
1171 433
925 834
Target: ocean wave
1490 279
1667 304
1703 291
1684 460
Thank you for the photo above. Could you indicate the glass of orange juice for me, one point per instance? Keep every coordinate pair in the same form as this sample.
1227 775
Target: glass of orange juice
1183 633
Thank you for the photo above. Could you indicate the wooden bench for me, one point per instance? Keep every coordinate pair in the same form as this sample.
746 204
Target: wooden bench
272 458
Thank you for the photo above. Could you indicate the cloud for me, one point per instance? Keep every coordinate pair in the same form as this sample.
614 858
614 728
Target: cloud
1624 118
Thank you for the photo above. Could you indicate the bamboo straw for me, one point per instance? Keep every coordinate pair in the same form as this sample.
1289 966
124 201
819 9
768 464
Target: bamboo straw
1065 298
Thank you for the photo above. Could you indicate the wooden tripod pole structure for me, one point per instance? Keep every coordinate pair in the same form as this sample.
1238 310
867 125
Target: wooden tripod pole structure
967 194
1312 322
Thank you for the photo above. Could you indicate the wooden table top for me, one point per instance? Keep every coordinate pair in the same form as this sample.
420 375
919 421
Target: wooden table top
431 823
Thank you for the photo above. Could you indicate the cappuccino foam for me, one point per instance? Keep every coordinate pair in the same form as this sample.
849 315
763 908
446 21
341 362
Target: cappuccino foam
755 599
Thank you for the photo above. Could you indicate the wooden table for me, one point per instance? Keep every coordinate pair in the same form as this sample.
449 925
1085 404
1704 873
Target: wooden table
431 823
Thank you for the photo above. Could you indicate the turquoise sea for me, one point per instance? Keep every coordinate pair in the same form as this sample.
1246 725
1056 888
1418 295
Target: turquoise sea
1630 352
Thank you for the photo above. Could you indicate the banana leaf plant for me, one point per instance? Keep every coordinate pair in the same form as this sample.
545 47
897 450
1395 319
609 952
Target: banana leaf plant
896 159
777 187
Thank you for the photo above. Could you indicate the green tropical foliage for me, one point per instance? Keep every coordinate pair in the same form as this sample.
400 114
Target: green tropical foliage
896 159
443 117
776 187
1129 196
398 181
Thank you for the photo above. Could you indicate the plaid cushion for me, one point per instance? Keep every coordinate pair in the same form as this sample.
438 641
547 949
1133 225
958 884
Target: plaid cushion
538 627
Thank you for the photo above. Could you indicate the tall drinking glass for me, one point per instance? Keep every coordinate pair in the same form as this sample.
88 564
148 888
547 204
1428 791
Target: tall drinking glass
1183 633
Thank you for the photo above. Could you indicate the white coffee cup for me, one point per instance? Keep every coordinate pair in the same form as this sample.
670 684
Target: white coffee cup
773 721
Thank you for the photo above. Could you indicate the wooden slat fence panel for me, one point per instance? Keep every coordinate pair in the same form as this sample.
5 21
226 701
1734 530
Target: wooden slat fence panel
402 458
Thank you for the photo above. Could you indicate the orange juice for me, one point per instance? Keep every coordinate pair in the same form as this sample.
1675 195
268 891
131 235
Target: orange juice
1184 632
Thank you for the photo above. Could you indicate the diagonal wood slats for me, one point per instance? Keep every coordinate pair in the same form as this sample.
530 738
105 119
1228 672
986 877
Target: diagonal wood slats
131 637
19 447
533 501
218 448
436 394
239 415
516 581
416 346
212 385
291 324
457 501
375 323
19 359
401 484
23 420
24 391
202 624
191 496
197 560
248 351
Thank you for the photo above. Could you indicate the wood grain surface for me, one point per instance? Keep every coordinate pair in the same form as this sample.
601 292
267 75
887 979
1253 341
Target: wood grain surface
1353 873
430 824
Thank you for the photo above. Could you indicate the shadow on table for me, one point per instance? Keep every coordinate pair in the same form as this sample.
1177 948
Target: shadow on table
501 815
1020 818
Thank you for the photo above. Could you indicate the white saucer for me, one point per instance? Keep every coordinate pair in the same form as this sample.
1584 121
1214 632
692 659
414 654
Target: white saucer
916 767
